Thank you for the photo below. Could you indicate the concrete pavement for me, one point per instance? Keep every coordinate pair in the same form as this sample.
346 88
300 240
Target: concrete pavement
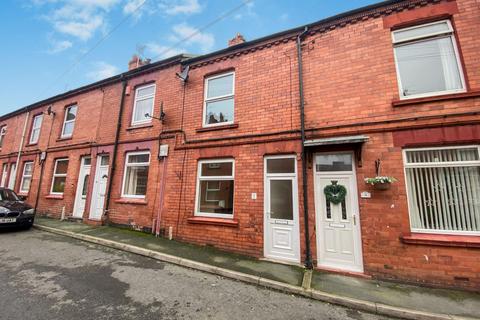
47 276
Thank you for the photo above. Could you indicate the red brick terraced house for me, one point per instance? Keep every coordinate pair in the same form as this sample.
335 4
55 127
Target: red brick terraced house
263 148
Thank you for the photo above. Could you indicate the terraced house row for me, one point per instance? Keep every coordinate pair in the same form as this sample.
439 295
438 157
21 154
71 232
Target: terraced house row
263 148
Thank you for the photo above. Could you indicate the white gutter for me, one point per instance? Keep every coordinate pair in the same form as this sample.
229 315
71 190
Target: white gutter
20 149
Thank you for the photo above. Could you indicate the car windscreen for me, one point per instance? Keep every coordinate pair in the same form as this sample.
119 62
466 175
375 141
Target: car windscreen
8 195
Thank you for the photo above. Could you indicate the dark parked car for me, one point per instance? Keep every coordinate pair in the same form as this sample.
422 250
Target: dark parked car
13 211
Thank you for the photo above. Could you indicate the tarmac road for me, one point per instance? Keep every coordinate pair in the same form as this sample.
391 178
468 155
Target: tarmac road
46 276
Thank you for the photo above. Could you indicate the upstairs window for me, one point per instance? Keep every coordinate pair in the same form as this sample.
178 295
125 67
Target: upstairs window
3 132
427 60
136 175
144 100
215 188
36 126
26 177
69 122
59 176
219 99
443 189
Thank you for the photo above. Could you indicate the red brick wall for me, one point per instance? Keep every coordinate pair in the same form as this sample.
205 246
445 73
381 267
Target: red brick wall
350 84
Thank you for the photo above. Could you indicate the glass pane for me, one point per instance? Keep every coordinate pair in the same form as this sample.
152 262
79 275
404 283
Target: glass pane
334 162
281 165
428 66
85 185
217 169
281 200
106 159
443 155
138 158
71 113
220 201
35 135
219 111
8 195
68 129
421 31
62 167
143 107
220 86
37 122
87 161
28 169
444 198
59 184
136 181
142 92
26 184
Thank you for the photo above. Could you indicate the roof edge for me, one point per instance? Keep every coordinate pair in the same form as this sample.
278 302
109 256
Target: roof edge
339 18
104 82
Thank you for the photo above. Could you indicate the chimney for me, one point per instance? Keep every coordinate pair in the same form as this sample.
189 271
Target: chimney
136 62
237 40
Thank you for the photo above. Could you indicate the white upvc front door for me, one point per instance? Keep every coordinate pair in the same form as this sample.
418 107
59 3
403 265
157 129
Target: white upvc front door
82 188
338 225
281 226
99 188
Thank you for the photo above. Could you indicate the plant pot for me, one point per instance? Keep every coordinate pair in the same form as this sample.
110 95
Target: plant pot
382 186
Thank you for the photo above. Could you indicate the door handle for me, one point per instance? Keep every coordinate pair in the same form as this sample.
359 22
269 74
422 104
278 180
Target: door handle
354 220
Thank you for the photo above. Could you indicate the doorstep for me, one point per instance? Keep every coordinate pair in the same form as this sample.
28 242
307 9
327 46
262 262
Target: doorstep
385 298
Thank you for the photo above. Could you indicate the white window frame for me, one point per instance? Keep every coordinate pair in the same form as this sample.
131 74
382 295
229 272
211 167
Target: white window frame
218 98
3 133
434 35
12 179
24 176
61 175
38 128
200 178
137 99
3 182
69 121
139 164
406 166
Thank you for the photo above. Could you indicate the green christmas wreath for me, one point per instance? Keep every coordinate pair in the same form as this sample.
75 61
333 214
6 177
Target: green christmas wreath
335 193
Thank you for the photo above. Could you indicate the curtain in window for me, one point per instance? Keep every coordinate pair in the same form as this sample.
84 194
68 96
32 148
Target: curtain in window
449 63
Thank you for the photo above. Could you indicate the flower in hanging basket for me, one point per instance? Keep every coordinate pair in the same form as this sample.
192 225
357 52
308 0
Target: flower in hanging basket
380 183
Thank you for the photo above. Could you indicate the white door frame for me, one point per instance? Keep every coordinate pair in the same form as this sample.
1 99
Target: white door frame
355 207
93 201
266 219
84 170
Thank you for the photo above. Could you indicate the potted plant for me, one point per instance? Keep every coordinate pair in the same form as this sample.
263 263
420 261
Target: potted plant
380 182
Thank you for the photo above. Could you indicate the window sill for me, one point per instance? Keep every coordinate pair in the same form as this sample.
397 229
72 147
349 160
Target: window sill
453 96
142 202
64 139
31 145
55 196
444 240
140 126
214 221
219 127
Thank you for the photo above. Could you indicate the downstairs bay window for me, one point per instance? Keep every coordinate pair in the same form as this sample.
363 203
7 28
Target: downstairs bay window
443 189
135 179
215 188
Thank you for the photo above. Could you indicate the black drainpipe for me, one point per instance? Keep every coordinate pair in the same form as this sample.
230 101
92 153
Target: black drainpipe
308 260
115 147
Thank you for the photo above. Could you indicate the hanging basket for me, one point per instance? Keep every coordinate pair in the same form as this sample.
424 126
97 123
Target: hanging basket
380 183
382 186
